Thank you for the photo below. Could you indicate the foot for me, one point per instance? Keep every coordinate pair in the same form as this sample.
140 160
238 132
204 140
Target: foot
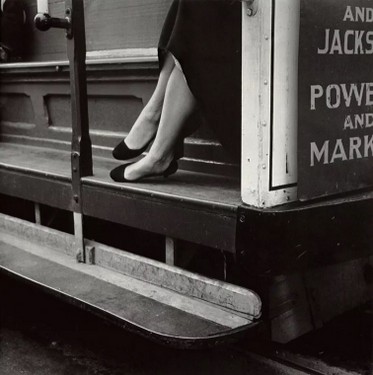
149 166
144 129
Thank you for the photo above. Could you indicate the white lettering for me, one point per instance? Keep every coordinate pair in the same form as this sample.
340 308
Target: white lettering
369 94
369 120
347 50
359 121
361 14
316 93
359 48
369 42
369 15
347 42
339 152
330 96
343 94
319 154
348 123
368 145
358 148
355 144
353 92
325 50
336 46
348 15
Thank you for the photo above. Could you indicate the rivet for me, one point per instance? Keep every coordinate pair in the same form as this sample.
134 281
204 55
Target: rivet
264 123
264 166
242 218
266 37
75 169
76 198
265 82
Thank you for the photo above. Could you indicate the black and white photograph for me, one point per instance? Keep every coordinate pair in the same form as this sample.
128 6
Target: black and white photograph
186 187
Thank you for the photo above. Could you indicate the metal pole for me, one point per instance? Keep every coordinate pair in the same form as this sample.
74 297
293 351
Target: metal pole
81 148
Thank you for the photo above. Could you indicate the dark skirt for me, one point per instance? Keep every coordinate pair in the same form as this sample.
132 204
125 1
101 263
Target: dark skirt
205 37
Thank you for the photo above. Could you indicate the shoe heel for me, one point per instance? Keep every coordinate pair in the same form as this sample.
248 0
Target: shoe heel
172 168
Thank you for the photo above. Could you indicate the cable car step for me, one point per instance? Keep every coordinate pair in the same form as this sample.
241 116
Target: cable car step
161 302
194 207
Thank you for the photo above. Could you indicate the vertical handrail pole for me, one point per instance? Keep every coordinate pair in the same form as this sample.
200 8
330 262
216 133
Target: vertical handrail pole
81 149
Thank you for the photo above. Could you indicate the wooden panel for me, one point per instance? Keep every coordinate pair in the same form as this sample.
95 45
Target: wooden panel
177 220
124 23
307 236
353 289
289 309
117 93
110 25
53 193
107 113
302 302
16 108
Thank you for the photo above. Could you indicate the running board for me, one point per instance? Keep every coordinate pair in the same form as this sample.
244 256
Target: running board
165 303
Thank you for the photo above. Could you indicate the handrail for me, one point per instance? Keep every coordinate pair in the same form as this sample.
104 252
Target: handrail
81 147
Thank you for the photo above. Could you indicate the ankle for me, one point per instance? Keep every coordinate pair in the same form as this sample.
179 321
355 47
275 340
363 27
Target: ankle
152 113
158 158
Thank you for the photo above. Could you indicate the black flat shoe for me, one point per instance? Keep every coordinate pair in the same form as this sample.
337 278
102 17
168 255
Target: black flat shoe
123 152
117 174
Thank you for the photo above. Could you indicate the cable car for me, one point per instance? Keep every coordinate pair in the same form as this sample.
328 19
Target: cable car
281 241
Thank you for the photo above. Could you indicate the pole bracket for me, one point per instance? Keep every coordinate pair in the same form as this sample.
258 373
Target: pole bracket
251 7
43 22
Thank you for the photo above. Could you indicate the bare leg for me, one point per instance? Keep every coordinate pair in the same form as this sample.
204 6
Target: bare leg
179 104
146 124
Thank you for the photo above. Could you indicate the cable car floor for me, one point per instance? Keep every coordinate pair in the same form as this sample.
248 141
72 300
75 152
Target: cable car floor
41 335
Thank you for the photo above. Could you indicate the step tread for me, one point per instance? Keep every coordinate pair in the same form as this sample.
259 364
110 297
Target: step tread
109 295
207 189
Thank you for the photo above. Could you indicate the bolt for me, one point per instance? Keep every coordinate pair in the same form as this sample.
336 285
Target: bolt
79 256
242 218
